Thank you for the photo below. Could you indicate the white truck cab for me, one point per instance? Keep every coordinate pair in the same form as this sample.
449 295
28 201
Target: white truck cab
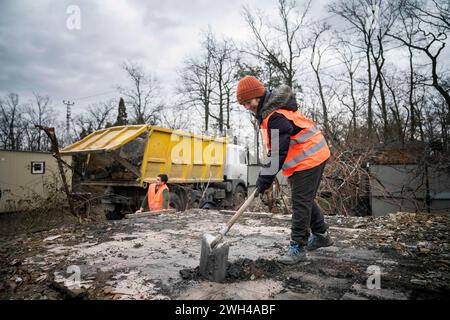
236 163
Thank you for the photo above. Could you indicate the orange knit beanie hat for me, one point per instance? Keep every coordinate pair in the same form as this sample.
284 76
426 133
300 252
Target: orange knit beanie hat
248 88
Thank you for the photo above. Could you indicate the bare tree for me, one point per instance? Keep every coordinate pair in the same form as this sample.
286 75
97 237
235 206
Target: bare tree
434 119
11 122
386 18
279 45
409 24
208 81
429 37
176 120
81 127
224 71
98 116
196 85
38 113
438 16
349 97
101 114
142 95
400 122
355 13
316 59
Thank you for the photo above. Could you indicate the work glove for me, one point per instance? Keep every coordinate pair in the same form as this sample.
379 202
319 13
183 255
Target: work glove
261 186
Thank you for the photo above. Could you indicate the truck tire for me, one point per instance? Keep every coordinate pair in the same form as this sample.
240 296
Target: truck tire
116 214
175 202
239 196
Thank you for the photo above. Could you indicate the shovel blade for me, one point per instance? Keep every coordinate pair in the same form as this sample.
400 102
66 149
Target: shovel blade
213 262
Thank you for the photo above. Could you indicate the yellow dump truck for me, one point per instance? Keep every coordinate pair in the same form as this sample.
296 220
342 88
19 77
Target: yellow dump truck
125 159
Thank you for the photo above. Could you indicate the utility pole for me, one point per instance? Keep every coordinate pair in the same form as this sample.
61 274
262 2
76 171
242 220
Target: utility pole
68 105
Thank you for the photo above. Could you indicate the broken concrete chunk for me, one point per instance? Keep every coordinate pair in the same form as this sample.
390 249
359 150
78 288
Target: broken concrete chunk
149 214
419 282
124 291
424 246
383 294
15 263
424 250
41 278
52 238
351 296
70 293
107 290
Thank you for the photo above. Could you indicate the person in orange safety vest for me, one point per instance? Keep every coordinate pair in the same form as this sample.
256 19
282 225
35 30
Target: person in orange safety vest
157 197
298 148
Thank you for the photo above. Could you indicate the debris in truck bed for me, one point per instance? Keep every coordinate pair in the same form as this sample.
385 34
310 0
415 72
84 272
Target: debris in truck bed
157 258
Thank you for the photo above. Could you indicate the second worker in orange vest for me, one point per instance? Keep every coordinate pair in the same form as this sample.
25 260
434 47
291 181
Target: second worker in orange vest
157 197
297 147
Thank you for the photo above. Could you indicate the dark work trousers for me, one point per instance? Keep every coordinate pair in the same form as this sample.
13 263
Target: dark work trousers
306 213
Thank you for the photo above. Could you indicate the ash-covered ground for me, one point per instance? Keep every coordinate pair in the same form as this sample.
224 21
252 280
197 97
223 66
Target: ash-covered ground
157 258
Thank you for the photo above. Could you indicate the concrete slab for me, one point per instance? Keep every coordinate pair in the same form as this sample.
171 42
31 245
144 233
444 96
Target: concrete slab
244 290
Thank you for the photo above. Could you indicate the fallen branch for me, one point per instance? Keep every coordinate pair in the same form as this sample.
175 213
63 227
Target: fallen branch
149 213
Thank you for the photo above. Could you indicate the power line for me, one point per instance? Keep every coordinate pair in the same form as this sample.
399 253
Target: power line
95 95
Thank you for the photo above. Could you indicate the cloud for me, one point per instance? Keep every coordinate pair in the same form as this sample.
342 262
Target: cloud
39 52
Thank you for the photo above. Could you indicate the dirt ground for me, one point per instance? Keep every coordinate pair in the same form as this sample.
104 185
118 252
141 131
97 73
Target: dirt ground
157 258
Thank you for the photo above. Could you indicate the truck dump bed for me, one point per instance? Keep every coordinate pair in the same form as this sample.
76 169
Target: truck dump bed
146 151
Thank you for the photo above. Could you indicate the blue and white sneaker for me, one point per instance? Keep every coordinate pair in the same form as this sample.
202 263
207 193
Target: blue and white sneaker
294 255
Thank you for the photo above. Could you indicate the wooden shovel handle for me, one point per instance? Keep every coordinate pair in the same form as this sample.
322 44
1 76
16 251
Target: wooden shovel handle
233 219
241 210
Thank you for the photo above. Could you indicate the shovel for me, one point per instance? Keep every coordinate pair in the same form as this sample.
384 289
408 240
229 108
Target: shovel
214 255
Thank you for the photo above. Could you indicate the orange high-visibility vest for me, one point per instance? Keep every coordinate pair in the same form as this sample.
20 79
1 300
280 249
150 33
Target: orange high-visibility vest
155 198
307 149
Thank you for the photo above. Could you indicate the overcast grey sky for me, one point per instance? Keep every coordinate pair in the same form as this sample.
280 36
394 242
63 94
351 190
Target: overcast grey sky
38 51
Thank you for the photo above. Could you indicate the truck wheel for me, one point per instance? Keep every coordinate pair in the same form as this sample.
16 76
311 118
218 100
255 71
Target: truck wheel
239 196
116 214
175 202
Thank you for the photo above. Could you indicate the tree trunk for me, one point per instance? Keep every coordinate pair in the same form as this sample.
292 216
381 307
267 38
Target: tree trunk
220 81
369 97
383 107
354 106
206 116
436 84
411 94
228 109
324 105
